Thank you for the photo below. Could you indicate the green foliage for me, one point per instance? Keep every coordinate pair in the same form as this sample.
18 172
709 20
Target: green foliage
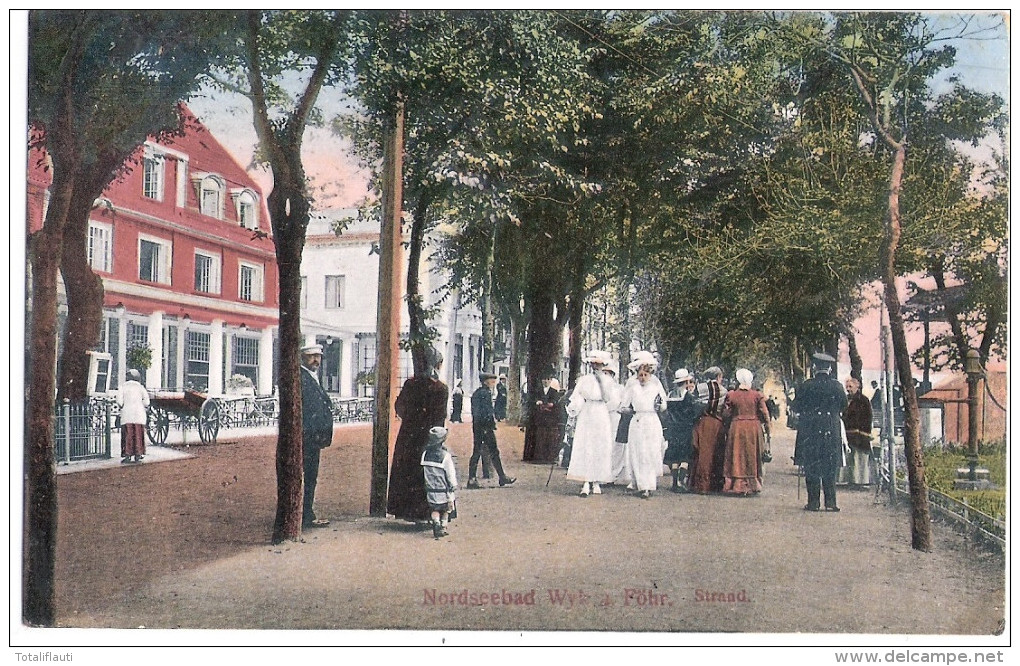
940 471
139 356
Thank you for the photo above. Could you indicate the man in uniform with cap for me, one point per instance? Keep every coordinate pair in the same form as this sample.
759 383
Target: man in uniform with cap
483 427
819 448
316 428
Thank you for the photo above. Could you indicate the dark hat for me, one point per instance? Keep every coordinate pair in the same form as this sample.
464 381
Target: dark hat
437 436
486 375
823 362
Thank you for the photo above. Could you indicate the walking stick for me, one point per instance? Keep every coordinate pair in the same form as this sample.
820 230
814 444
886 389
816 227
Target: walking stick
799 470
551 468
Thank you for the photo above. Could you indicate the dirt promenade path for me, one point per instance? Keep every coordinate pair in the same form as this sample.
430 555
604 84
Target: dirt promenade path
185 544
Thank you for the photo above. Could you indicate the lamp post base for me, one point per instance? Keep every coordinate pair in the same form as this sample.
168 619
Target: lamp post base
977 479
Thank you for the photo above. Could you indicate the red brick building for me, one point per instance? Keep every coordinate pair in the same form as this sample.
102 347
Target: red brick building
991 417
183 245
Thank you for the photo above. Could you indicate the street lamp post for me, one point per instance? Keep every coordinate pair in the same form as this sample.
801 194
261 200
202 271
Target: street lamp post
972 366
972 477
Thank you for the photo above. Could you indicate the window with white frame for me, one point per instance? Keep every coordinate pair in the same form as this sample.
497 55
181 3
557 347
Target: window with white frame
246 358
250 282
245 202
196 360
335 292
154 259
100 247
153 169
210 196
207 272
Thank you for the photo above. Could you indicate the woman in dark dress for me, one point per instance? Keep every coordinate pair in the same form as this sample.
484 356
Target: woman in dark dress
548 420
681 412
421 406
458 402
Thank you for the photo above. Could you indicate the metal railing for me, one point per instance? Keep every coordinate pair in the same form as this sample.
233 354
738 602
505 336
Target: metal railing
353 410
83 431
956 511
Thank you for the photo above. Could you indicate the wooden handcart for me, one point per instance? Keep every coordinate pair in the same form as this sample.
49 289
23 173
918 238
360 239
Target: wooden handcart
189 409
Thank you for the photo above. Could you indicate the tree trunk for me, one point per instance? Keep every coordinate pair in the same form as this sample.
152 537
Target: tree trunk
45 246
83 287
488 321
626 236
289 211
513 397
417 328
388 318
543 348
856 364
920 525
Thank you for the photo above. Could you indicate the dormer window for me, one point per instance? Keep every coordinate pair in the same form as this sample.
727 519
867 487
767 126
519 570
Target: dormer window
211 189
153 174
246 205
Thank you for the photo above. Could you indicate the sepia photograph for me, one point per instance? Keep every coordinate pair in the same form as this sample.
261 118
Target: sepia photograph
376 328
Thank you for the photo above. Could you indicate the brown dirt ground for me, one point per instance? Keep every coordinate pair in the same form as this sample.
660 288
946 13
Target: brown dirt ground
185 544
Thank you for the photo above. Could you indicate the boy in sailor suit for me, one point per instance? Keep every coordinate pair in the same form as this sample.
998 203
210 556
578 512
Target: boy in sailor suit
440 480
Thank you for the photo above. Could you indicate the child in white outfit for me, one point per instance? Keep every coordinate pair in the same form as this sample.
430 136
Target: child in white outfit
440 480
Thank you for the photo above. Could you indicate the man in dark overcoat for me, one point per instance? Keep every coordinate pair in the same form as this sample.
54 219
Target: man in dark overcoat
483 427
316 428
819 448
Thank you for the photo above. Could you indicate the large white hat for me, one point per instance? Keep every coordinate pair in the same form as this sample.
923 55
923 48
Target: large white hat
312 349
598 356
682 375
744 377
642 358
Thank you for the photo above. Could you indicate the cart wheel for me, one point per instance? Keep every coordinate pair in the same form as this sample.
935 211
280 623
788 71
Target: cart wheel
157 425
209 421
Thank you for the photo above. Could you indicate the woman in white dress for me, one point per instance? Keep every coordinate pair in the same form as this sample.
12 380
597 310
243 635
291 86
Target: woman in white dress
645 395
590 402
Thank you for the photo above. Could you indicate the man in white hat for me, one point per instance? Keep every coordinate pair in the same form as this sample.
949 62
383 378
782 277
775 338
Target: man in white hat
316 428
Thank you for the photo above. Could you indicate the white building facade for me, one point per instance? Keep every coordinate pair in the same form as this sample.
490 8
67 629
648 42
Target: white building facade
339 305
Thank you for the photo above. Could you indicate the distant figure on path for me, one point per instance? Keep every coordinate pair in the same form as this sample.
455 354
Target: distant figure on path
501 396
456 415
819 447
133 400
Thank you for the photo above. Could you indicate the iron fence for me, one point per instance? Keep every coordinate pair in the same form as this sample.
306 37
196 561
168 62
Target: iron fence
959 512
353 410
83 431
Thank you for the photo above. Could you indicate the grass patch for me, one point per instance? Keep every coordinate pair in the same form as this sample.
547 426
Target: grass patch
940 471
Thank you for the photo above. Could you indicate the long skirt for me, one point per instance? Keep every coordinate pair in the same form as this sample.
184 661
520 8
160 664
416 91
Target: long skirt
707 446
590 457
548 441
132 439
742 462
645 446
857 470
